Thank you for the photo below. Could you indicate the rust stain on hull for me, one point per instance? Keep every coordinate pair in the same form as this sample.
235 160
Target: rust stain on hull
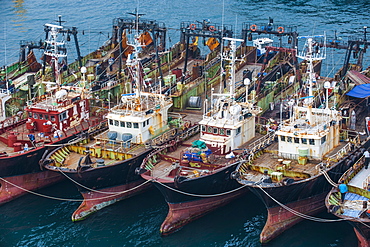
279 219
94 201
32 181
180 214
362 240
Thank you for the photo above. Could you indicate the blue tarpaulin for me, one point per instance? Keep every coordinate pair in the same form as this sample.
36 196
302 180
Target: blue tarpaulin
360 91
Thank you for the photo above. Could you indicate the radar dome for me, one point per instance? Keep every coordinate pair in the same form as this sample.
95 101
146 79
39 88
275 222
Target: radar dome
61 94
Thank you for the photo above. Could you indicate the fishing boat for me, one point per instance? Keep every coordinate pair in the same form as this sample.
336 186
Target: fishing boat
104 168
290 174
351 202
62 114
193 173
352 205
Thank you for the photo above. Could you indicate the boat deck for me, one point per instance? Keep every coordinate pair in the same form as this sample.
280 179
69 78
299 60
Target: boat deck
269 160
71 161
353 205
360 178
22 137
109 153
164 168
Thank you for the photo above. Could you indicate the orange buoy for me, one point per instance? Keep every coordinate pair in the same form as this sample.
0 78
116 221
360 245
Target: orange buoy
193 26
253 27
280 30
212 28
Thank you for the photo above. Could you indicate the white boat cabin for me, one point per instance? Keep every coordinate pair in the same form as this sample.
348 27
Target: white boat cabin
139 119
228 125
311 133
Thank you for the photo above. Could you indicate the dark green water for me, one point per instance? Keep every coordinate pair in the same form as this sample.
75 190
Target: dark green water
36 221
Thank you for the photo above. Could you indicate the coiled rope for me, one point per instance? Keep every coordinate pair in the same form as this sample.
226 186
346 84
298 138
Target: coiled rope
190 194
69 199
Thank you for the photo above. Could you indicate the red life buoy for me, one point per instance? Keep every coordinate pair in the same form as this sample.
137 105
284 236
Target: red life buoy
280 30
193 26
253 27
212 28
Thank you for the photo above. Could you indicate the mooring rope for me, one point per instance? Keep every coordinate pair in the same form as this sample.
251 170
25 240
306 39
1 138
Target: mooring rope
69 199
90 189
308 217
73 141
196 195
362 223
326 175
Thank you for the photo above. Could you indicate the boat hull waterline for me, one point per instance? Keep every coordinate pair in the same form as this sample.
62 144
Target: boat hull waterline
94 201
16 186
180 214
103 186
306 197
22 172
190 199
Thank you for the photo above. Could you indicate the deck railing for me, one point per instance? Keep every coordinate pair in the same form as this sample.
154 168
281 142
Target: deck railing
344 150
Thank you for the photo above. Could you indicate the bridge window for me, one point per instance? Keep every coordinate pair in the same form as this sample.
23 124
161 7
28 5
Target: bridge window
323 139
304 141
289 139
215 131
203 128
222 131
122 124
147 122
35 116
136 125
209 129
312 141
52 118
129 125
238 130
144 123
296 140
62 116
116 123
41 117
46 117
282 138
30 114
110 122
228 132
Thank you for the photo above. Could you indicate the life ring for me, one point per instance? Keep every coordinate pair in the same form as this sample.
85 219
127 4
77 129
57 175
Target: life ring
193 26
280 30
212 28
253 27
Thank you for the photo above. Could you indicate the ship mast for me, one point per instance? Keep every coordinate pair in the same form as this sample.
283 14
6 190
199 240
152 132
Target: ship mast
231 57
134 61
53 49
311 53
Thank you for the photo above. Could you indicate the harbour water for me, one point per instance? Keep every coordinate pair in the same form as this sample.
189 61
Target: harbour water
37 221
